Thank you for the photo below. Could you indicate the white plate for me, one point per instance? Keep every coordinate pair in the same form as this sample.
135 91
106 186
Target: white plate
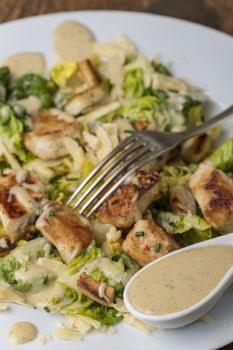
202 56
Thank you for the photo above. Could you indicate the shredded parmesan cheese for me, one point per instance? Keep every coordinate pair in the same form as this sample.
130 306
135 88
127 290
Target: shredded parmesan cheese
24 198
21 176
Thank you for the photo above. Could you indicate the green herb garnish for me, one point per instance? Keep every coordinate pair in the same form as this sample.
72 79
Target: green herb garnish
46 309
139 233
157 247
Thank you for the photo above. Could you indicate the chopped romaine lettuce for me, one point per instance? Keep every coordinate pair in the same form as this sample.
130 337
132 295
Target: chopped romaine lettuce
125 262
142 108
160 68
11 131
133 84
192 110
176 175
103 314
107 86
98 275
190 228
75 303
4 82
61 73
21 257
222 158
33 85
91 254
4 76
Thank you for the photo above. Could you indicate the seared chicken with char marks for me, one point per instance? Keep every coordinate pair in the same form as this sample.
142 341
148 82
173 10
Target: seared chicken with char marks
195 149
148 241
129 202
49 129
18 195
68 231
91 95
101 292
182 200
213 190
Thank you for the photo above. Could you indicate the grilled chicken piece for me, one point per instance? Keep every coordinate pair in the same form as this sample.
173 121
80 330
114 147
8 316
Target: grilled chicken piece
46 140
148 241
195 149
18 194
101 292
93 94
213 190
140 125
81 101
68 231
129 202
182 200
88 74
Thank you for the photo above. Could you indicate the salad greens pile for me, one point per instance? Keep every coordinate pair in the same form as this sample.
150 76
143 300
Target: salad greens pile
148 97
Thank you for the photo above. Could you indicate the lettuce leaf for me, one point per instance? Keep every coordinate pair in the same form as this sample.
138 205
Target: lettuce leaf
133 84
176 175
222 158
19 258
103 314
160 68
98 275
79 304
11 131
4 82
190 228
91 254
192 110
33 85
61 73
142 108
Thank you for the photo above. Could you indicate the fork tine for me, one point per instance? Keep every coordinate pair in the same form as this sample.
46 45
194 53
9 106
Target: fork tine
143 152
108 169
123 178
116 150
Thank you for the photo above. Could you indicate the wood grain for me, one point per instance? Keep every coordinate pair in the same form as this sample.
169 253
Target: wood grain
217 14
214 13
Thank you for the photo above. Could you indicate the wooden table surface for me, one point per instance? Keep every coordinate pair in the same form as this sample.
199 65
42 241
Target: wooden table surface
213 13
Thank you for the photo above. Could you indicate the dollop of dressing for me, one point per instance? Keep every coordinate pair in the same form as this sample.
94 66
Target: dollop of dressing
22 332
181 280
72 42
24 63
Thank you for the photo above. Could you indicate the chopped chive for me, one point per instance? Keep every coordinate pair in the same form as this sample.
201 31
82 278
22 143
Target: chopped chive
46 309
45 279
51 213
136 188
129 131
72 178
139 233
157 247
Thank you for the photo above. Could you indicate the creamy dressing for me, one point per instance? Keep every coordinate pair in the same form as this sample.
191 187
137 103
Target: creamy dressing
22 332
181 280
24 63
72 42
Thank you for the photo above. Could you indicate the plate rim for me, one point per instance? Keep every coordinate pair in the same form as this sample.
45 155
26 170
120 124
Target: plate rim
192 26
133 13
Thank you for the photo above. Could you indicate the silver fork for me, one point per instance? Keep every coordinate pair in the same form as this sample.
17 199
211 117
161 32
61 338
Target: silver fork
129 156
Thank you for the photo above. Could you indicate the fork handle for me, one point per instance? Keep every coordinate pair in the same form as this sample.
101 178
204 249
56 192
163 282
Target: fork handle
224 115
